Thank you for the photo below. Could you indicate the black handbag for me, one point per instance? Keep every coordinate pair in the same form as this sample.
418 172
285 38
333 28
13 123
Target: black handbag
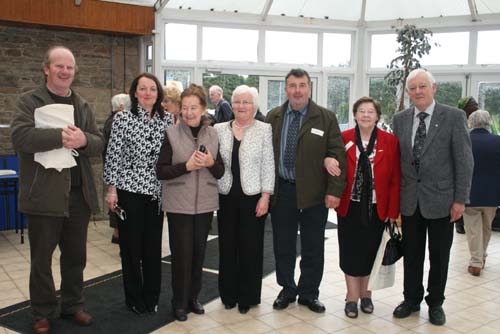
394 247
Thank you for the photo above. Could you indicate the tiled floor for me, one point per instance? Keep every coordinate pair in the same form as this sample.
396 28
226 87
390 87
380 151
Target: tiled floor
472 305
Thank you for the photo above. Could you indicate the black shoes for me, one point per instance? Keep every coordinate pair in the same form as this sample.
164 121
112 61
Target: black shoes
437 316
282 302
404 309
229 306
243 309
313 304
196 307
138 310
180 314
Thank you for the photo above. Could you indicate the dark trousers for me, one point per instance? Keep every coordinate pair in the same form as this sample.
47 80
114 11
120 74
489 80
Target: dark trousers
241 242
286 218
140 248
70 234
188 240
440 233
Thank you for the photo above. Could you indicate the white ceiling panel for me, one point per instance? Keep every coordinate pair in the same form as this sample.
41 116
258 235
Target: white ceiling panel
246 6
488 6
377 10
333 9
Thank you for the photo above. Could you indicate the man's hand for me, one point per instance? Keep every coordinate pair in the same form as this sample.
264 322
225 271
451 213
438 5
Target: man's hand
332 166
331 201
73 137
456 211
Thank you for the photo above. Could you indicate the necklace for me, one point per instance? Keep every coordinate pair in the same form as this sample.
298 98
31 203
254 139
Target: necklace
241 126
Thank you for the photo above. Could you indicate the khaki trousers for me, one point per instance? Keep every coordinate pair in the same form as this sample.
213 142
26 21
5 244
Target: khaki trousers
477 223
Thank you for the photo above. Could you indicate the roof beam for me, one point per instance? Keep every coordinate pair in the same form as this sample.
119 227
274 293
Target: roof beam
362 15
265 10
160 4
473 10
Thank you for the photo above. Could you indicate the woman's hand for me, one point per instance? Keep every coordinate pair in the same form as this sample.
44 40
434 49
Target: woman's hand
192 163
262 205
332 166
111 198
204 159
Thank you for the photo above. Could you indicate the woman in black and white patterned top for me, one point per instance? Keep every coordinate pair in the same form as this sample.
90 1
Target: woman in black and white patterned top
129 172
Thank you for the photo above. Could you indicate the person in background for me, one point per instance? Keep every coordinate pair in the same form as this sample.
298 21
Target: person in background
57 204
134 191
172 99
247 151
223 111
119 102
370 198
485 190
304 134
436 175
189 166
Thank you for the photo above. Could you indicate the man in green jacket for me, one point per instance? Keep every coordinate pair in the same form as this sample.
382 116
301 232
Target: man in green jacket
57 203
305 136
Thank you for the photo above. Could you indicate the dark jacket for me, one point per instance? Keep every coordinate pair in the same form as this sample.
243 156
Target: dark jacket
312 180
46 191
485 189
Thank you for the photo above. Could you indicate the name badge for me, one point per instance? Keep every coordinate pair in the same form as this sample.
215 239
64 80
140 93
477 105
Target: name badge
317 132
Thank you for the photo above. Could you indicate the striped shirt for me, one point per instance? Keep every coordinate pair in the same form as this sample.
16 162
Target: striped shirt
285 173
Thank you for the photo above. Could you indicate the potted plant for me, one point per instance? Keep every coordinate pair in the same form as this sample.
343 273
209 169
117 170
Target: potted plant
413 44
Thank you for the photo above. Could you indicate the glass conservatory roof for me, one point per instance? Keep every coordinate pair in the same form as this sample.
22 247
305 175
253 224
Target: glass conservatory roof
341 10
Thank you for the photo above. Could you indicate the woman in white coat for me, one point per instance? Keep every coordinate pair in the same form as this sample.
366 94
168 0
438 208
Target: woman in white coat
244 190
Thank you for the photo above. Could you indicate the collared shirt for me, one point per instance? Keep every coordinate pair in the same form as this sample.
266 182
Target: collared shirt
288 174
427 120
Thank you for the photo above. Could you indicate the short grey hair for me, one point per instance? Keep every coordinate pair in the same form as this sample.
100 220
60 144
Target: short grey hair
216 88
413 74
120 100
244 89
480 119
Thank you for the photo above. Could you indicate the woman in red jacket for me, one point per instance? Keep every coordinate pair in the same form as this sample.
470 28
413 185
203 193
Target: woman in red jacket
370 198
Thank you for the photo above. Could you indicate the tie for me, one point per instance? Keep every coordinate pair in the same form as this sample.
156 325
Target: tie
291 141
418 144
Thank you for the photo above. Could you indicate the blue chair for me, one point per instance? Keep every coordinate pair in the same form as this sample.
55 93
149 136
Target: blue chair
9 185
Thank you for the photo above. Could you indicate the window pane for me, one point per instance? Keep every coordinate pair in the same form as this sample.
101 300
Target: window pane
291 47
180 41
230 44
337 50
183 76
452 49
149 52
488 48
338 99
448 92
275 93
228 82
149 68
383 50
386 95
489 99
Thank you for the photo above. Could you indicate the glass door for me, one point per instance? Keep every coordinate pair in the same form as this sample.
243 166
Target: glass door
486 89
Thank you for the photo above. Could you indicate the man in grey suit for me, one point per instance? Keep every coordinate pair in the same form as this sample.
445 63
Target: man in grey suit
436 174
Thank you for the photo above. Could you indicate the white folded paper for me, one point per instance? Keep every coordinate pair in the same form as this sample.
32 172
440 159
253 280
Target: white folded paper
49 117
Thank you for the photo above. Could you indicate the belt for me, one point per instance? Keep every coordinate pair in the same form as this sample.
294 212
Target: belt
287 181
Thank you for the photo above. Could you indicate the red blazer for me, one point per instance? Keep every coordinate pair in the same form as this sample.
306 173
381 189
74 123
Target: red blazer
386 170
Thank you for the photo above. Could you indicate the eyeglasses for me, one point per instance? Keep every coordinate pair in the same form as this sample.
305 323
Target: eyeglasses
243 103
120 212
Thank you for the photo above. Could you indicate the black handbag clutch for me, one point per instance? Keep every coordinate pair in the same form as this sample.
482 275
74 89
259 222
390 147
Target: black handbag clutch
394 247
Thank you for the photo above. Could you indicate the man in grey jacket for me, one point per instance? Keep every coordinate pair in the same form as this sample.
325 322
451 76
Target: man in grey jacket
436 174
57 203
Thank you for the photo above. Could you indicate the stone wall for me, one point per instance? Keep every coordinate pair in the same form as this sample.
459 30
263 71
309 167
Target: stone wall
106 66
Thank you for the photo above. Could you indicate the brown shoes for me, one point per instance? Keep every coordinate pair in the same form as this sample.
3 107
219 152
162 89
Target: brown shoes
474 271
80 317
41 326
